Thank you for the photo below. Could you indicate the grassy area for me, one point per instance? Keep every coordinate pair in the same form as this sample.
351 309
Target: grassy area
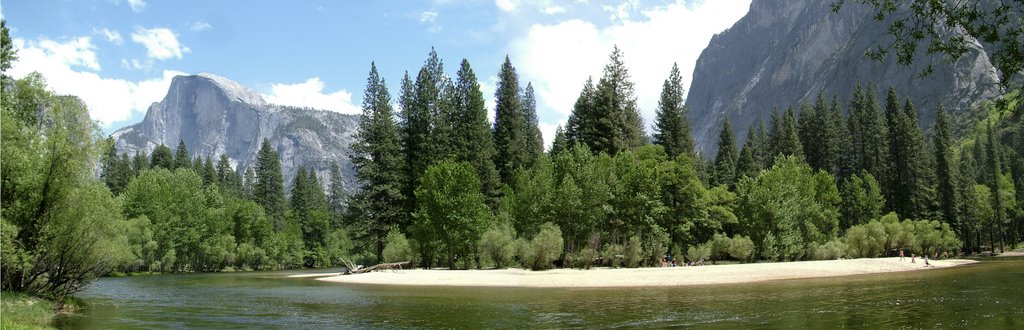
22 311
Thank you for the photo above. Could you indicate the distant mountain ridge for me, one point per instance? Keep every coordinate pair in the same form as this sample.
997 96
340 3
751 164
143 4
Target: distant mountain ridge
785 51
214 115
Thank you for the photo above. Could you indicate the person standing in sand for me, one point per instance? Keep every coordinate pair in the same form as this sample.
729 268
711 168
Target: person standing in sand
913 258
901 254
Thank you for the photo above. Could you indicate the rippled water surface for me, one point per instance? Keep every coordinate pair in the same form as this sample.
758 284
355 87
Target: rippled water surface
988 295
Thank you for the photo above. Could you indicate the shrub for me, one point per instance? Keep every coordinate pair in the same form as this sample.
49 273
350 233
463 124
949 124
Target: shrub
633 252
612 255
658 245
741 248
831 250
695 253
397 248
719 246
546 246
497 244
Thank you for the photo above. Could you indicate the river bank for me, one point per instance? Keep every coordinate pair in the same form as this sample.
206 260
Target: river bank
640 277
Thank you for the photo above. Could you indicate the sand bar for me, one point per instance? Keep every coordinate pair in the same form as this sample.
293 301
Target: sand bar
639 277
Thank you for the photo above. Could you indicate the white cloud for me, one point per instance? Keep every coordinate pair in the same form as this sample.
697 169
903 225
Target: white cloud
135 64
137 5
558 58
160 43
109 100
111 35
430 17
552 10
200 26
507 5
311 94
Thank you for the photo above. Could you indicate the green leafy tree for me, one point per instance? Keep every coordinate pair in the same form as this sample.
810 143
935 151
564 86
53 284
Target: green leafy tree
57 232
862 200
377 158
397 247
792 204
451 210
671 127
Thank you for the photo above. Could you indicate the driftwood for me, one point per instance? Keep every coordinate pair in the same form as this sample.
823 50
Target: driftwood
352 269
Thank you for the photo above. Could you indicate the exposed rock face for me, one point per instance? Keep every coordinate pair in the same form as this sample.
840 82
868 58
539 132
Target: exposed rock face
785 51
215 116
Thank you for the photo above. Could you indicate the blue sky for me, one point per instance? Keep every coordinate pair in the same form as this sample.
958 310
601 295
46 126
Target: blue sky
119 55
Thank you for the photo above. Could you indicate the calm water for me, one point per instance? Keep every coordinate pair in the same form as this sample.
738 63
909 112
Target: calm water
989 295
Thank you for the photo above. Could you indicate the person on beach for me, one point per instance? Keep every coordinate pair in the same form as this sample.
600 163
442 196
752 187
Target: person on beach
901 254
926 264
913 258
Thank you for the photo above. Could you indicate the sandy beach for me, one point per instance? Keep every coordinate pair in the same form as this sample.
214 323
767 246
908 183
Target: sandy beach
639 277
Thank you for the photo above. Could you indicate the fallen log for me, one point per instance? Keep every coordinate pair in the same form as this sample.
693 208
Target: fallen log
384 266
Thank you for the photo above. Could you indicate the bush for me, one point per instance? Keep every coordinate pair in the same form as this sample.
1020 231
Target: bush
396 248
611 255
698 252
524 252
633 252
831 250
719 247
770 248
582 259
546 247
497 245
658 245
741 248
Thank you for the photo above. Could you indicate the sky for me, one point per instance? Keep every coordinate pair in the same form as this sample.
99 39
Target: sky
119 56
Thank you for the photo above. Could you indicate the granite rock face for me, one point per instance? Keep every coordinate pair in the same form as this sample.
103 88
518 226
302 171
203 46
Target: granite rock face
785 51
215 116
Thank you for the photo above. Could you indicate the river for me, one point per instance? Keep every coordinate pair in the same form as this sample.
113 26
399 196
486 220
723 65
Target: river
986 295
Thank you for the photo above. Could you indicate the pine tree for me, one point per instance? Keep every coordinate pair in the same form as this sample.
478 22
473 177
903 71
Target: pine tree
616 111
725 161
579 128
967 212
671 128
181 158
535 140
209 172
909 191
819 135
336 197
268 190
995 169
868 135
784 137
944 170
471 135
511 136
748 164
300 199
139 163
377 158
162 157
561 142
249 183
420 108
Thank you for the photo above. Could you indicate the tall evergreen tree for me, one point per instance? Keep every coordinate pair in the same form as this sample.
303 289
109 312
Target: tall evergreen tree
909 190
181 158
535 140
725 161
671 128
969 223
471 137
944 170
377 158
561 142
336 195
868 134
579 128
784 137
162 157
616 111
748 164
268 190
511 136
819 135
140 162
419 143
995 168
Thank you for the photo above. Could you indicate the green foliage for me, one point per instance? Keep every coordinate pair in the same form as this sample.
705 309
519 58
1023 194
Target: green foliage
671 127
23 311
470 135
885 236
397 248
498 245
831 250
268 190
741 248
612 255
451 210
910 192
511 134
545 247
719 246
862 200
606 117
698 252
725 161
582 259
633 252
784 137
795 204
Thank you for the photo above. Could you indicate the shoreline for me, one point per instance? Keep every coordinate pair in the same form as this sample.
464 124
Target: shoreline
637 277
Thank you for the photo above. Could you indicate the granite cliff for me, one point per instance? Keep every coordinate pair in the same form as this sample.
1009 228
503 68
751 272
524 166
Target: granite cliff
215 116
785 51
